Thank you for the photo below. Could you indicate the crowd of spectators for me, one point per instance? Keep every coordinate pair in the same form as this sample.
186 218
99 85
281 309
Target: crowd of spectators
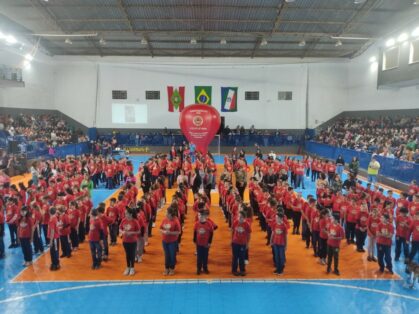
392 137
48 128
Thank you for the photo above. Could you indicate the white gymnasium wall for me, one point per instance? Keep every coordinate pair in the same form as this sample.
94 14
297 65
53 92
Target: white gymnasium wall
75 91
362 88
268 112
327 91
39 83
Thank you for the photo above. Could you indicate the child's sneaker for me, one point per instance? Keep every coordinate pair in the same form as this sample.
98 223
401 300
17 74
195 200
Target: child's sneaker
132 272
166 272
126 272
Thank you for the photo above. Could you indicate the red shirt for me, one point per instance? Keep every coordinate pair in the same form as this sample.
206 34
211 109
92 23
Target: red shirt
1 216
95 229
403 226
129 225
170 225
352 214
64 225
414 231
204 232
384 229
362 220
74 216
25 227
335 230
241 232
112 213
373 224
53 225
279 233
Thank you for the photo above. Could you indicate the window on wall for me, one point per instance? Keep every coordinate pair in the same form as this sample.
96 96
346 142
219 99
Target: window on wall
152 94
284 95
251 95
119 94
391 58
414 52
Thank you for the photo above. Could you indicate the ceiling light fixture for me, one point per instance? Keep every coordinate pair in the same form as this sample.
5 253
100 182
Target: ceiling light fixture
28 57
263 42
68 41
390 42
373 59
10 39
223 41
27 64
402 37
338 43
415 32
102 42
289 1
193 41
302 43
144 41
359 1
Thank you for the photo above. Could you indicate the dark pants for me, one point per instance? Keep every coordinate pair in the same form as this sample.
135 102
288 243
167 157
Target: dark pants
384 255
105 246
336 215
170 180
299 180
322 248
45 232
54 252
202 258
74 237
269 233
65 246
130 249
279 257
239 252
350 231
313 175
13 234
414 250
170 254
360 239
96 251
109 183
37 240
241 190
26 249
332 252
307 234
401 242
315 242
82 232
296 218
113 232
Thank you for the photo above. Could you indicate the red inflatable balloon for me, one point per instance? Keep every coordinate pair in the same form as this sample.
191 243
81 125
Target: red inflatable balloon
200 123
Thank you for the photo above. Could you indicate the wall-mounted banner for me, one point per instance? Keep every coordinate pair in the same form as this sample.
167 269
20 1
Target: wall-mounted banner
199 123
176 97
203 95
228 99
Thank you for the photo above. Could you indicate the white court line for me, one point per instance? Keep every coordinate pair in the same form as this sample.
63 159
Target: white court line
212 280
33 262
136 283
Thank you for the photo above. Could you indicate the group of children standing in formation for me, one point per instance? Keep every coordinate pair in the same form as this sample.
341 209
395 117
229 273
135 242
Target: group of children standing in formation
57 204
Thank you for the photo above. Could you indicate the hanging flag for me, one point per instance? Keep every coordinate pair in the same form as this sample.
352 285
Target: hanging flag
228 99
176 97
203 95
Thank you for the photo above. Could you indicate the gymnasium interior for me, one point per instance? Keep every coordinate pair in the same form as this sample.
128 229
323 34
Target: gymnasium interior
244 116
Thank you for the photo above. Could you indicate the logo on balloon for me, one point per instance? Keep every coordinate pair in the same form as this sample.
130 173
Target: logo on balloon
199 124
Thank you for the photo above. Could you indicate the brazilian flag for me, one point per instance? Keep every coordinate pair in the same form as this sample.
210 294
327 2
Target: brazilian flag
203 95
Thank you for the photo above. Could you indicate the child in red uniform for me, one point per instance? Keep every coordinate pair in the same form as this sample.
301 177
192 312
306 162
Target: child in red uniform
53 237
170 230
335 235
129 230
279 242
241 231
64 230
112 214
403 222
385 231
361 227
74 216
25 234
414 234
1 230
203 233
373 221
96 236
